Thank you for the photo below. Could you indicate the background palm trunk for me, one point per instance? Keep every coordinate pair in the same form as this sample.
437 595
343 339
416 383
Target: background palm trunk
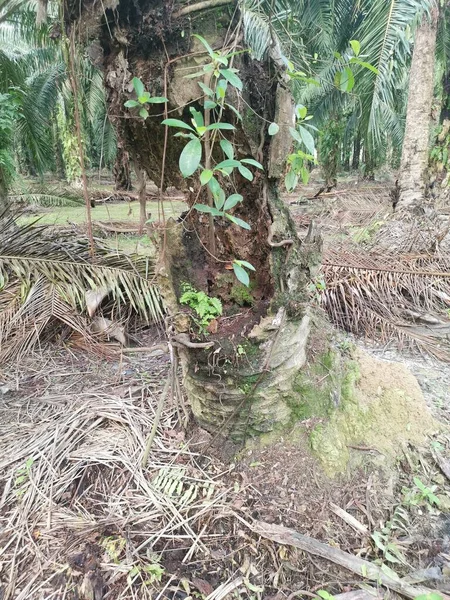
414 162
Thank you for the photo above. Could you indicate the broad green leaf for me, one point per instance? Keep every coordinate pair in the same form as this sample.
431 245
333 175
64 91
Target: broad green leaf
194 75
214 185
325 595
337 55
232 201
221 89
232 78
144 98
205 176
295 134
157 100
364 64
143 113
347 80
356 47
246 264
138 86
304 174
197 117
209 104
205 89
245 172
290 181
301 111
254 163
241 274
238 221
229 162
208 209
131 103
177 123
205 43
190 136
227 148
219 199
307 139
227 126
190 158
273 129
220 59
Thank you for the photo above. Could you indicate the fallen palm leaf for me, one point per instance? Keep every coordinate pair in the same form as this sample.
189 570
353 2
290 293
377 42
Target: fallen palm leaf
390 297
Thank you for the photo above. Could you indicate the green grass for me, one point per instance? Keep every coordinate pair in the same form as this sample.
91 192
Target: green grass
127 243
120 211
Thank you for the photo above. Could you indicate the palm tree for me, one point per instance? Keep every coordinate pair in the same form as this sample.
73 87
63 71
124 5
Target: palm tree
273 334
377 101
414 163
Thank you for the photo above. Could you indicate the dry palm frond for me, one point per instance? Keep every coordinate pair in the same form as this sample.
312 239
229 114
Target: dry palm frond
29 253
390 297
46 284
73 474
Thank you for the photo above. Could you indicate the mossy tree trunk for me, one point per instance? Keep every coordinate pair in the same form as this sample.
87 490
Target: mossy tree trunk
246 381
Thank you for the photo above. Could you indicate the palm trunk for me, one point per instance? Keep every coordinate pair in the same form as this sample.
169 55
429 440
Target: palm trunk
356 153
121 170
248 378
414 162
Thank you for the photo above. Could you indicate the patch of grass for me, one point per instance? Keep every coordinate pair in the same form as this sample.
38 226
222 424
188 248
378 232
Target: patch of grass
120 211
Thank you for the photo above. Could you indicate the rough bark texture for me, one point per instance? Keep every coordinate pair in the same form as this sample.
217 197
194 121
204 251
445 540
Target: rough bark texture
414 162
121 170
246 382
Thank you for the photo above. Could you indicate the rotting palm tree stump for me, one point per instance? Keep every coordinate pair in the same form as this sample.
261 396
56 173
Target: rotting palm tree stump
247 380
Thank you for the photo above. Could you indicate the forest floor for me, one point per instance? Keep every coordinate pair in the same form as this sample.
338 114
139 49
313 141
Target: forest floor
81 518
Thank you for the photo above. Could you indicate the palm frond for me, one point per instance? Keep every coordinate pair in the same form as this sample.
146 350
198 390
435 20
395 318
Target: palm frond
29 253
390 297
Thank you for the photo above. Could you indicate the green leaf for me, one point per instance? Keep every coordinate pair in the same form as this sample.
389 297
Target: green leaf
301 111
221 89
364 64
325 595
144 98
157 100
238 221
232 201
347 80
227 126
205 176
131 103
254 163
246 264
307 139
356 47
220 59
219 199
208 209
290 181
205 89
197 118
176 123
304 174
232 78
273 129
241 274
214 185
143 113
138 86
194 75
229 162
209 104
227 148
295 134
245 172
205 43
337 55
190 157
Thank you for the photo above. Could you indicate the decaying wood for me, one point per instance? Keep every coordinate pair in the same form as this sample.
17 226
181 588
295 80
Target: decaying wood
359 566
